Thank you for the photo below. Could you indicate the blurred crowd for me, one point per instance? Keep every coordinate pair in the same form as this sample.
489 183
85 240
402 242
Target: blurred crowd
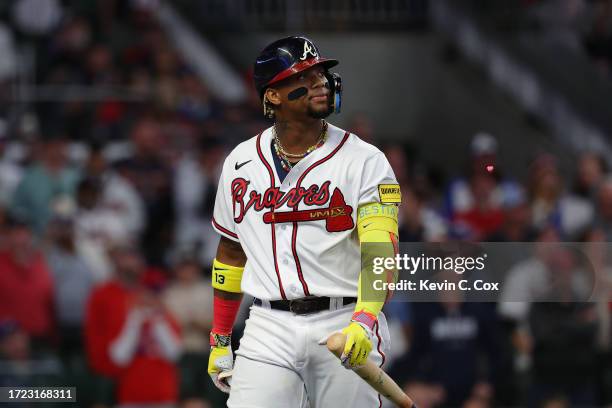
598 38
514 352
106 196
584 26
106 243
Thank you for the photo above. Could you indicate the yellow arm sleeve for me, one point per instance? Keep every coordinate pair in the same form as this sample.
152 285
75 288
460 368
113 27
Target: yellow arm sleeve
226 277
378 234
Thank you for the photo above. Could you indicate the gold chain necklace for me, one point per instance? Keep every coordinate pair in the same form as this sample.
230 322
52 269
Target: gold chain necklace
282 152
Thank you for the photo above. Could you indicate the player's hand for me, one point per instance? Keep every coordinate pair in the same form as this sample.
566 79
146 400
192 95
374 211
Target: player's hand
221 359
358 345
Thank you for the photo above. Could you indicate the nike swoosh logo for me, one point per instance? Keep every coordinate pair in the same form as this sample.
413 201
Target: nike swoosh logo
238 166
366 225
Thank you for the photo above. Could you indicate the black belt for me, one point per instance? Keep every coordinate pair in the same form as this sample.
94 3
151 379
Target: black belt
305 305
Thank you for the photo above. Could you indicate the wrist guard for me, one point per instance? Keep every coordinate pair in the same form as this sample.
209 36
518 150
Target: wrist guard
364 318
220 340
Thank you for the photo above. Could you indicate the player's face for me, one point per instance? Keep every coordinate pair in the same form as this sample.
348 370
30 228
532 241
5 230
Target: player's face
315 102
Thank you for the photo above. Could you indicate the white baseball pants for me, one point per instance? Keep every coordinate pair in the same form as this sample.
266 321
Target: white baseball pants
280 365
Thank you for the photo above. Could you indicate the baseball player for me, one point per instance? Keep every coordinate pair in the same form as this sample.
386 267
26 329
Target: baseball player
292 207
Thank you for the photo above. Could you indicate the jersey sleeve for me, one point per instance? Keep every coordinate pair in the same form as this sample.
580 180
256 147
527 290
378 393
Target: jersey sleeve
378 183
223 214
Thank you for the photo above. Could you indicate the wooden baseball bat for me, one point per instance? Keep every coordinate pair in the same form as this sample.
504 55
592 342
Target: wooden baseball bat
373 375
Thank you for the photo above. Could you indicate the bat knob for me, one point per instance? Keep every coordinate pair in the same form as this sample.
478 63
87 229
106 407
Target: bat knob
335 343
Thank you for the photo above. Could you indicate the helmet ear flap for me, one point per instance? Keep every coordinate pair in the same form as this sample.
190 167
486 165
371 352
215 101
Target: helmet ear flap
334 83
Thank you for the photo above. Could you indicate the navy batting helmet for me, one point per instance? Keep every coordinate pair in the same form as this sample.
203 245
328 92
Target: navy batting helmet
288 56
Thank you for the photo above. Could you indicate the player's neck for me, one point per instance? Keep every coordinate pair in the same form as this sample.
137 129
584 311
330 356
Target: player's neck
296 136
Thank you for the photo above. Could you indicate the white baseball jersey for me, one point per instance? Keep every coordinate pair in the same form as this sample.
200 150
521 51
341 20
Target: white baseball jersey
299 234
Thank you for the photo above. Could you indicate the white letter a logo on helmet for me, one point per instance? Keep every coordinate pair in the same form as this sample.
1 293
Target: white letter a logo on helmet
308 50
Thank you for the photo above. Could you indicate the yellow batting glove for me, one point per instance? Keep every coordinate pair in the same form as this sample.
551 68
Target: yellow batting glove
221 359
358 340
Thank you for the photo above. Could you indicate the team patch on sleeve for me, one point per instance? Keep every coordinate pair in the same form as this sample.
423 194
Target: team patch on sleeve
389 193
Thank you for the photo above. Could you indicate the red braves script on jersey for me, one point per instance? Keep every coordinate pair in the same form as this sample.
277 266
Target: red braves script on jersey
337 214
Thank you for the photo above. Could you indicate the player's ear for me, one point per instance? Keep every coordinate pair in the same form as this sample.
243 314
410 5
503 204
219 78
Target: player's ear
271 100
272 96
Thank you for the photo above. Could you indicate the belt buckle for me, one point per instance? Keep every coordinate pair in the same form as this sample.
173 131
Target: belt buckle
298 306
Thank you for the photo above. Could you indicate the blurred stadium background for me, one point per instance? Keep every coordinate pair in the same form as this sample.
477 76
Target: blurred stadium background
115 117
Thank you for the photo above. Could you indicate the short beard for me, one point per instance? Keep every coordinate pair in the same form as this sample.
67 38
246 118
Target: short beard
318 114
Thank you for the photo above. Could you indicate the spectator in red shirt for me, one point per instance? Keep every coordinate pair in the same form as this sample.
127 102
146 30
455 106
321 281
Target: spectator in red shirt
130 337
26 287
474 202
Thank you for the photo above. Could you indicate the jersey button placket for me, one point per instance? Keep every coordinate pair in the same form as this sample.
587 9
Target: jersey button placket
285 231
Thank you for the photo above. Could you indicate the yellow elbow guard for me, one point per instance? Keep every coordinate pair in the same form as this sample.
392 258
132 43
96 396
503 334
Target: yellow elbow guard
226 277
376 223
